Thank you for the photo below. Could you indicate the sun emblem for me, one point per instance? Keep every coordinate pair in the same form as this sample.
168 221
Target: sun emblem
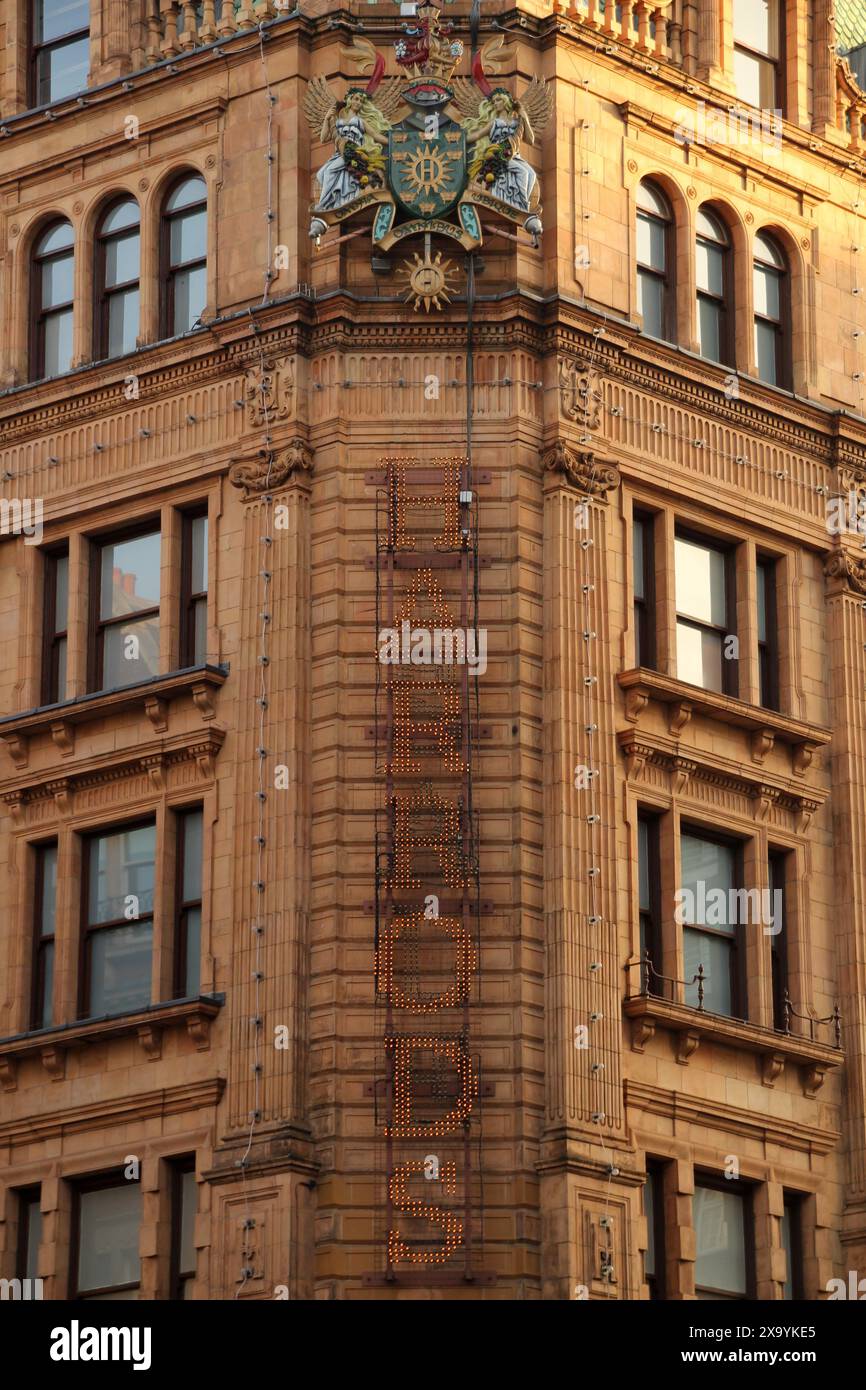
428 280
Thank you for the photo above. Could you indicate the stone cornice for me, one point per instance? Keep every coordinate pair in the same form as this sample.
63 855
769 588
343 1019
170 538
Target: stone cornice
126 1109
710 1114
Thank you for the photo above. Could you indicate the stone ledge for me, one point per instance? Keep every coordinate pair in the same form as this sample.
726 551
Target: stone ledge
692 1026
765 727
147 1025
152 697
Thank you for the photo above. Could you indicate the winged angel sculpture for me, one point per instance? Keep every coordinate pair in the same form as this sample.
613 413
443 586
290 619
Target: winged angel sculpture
358 127
496 125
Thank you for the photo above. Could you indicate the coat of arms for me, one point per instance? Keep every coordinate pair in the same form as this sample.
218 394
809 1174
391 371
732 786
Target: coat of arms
423 172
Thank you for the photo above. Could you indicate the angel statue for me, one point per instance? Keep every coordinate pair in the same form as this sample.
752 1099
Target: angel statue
359 127
495 127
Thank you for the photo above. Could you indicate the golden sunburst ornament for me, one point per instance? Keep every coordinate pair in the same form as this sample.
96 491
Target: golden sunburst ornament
428 280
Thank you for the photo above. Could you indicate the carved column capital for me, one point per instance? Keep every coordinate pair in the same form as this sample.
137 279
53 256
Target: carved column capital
844 571
582 469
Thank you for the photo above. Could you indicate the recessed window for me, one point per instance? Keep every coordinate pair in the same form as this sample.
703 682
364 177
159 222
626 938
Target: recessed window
772 311
127 587
713 254
709 873
29 1232
757 52
705 603
118 248
61 49
654 1211
648 899
183 1209
188 931
55 629
792 1244
722 1221
777 880
768 645
654 237
106 1224
643 570
184 255
194 590
52 293
44 915
118 920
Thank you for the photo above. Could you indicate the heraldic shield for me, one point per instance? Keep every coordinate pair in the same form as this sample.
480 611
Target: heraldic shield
427 166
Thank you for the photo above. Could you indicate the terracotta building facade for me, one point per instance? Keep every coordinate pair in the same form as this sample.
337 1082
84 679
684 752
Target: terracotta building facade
538 972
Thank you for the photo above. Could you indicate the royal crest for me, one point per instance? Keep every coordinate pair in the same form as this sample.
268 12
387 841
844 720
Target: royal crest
424 170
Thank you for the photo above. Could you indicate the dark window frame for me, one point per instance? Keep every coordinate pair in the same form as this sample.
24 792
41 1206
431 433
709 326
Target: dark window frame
52 636
717 1183
651 921
657 1281
188 598
168 270
668 284
739 991
778 860
795 1204
777 64
94 1182
40 942
25 1197
37 50
97 625
782 327
179 1167
182 905
88 930
103 295
768 650
730 667
645 608
38 313
725 302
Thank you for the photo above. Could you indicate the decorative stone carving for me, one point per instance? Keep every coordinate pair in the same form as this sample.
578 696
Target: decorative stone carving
580 396
256 474
582 469
269 393
846 567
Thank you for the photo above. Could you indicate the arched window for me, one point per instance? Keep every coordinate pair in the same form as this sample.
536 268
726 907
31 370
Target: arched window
713 274
117 271
654 258
52 293
758 43
61 49
772 312
184 255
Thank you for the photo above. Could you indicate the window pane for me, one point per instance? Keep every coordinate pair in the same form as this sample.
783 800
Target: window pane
755 80
121 259
651 242
125 214
714 954
756 24
644 899
700 576
130 653
650 199
58 342
710 329
188 237
186 1256
60 648
710 269
108 1237
199 635
699 657
57 17
767 352
63 70
121 865
130 575
192 852
191 190
190 297
638 557
649 1199
768 298
57 281
48 872
761 577
45 1004
120 969
58 237
788 1249
34 1236
198 557
720 1232
713 865
122 322
61 592
192 926
651 303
